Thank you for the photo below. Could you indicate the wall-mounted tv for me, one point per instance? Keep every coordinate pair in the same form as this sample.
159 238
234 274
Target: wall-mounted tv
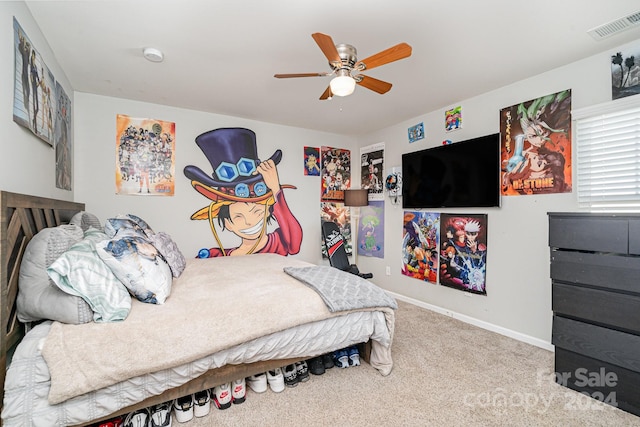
459 175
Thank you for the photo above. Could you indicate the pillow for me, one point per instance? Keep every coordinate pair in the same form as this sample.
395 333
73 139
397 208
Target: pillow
38 297
139 266
170 252
127 225
86 220
81 272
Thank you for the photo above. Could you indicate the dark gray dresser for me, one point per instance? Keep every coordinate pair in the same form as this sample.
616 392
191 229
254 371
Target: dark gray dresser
595 276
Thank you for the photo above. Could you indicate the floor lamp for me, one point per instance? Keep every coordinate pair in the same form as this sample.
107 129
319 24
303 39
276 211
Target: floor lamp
355 198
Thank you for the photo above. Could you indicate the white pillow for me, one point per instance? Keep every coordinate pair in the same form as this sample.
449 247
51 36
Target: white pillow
137 263
38 297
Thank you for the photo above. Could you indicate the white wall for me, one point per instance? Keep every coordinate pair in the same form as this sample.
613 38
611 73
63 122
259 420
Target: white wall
27 164
518 300
95 121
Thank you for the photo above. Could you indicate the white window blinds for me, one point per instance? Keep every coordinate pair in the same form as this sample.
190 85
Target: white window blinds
607 138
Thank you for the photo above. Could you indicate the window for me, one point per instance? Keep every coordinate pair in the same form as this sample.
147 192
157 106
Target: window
607 138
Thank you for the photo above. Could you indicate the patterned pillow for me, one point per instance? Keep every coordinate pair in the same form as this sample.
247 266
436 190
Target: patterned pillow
139 266
86 220
81 272
38 298
170 252
127 225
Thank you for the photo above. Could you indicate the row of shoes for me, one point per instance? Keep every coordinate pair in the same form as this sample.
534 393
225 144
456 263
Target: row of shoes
199 404
346 357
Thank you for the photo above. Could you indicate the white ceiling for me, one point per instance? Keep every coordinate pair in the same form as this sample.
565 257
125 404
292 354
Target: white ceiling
221 55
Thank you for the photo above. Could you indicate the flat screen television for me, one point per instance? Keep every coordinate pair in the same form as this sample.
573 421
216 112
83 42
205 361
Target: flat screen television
459 175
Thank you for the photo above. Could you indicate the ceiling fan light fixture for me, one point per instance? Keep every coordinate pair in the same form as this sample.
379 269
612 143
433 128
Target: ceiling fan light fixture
343 84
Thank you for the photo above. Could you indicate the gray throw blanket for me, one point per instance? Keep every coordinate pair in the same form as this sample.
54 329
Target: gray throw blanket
340 290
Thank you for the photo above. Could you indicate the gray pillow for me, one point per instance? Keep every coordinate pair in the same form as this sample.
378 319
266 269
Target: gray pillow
38 297
86 220
170 252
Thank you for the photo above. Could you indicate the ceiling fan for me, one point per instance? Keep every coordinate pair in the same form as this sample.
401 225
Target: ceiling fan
346 68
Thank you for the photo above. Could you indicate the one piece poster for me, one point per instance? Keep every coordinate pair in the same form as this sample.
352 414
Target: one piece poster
420 242
34 88
371 169
463 252
341 215
312 161
145 156
336 173
535 146
62 139
453 119
625 73
371 229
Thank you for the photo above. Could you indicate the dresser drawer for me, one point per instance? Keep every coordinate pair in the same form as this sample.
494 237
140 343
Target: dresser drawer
621 273
601 234
614 309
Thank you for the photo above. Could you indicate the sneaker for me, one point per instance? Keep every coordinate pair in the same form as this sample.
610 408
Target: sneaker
276 380
139 418
113 422
201 403
302 371
221 396
316 367
290 375
258 382
238 391
183 408
354 356
160 415
327 360
341 358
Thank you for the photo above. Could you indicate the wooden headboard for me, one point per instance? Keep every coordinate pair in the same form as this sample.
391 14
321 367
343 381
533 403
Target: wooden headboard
22 216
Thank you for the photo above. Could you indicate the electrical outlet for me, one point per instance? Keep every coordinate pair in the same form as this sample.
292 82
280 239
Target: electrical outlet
388 271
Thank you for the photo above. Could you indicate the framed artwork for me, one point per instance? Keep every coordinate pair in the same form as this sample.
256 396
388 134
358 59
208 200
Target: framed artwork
625 73
34 93
336 173
311 161
420 242
145 156
416 132
535 146
463 252
453 119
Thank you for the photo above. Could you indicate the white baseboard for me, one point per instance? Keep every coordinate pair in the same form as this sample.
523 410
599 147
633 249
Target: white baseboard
479 323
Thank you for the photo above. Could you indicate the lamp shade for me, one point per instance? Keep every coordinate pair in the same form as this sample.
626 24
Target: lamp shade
343 84
356 197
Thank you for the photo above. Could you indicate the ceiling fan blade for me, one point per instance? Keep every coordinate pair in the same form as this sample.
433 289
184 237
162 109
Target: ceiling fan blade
374 84
327 46
286 76
395 53
327 94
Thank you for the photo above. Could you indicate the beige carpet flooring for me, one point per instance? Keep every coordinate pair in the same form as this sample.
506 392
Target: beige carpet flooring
446 373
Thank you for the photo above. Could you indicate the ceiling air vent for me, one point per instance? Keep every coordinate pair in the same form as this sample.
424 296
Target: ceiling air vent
615 27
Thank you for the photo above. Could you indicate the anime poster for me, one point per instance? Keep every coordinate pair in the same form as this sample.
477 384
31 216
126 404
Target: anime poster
371 229
416 132
311 161
145 156
33 90
535 146
244 196
336 174
453 119
625 73
62 139
371 167
341 215
420 242
463 252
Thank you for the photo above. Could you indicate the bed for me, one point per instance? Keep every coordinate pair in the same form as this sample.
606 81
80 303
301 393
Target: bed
61 374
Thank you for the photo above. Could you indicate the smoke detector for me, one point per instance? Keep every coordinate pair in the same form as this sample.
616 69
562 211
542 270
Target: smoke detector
615 27
153 54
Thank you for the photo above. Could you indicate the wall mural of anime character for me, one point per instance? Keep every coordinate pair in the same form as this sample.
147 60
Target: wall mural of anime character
463 252
535 143
245 195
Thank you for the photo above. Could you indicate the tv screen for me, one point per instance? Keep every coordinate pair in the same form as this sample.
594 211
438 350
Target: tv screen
458 175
